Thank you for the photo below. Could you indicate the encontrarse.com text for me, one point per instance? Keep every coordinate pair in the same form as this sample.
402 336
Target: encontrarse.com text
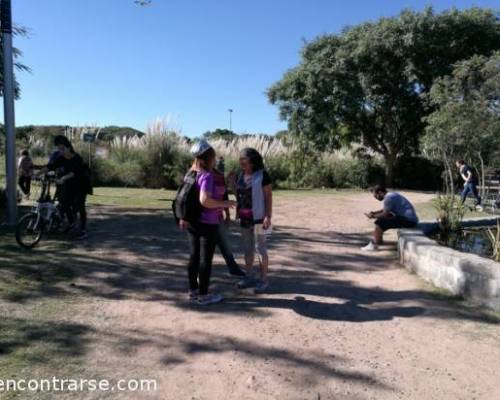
77 385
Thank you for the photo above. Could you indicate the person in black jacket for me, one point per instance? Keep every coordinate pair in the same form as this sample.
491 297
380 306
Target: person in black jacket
470 182
75 183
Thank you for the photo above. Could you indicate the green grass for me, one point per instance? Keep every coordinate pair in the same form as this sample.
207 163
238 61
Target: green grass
28 335
427 212
159 198
317 192
130 197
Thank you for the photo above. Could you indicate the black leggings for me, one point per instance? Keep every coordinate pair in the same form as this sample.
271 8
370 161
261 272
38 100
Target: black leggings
202 239
79 207
74 203
25 184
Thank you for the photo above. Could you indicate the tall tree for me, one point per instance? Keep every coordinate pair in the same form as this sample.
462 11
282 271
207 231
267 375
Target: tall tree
366 85
466 120
17 54
218 133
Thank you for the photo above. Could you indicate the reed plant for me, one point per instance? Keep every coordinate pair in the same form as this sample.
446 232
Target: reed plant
494 237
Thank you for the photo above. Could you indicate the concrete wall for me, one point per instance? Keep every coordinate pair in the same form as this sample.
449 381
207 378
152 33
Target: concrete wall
471 276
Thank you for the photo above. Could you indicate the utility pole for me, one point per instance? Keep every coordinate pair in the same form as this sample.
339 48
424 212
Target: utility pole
8 107
230 119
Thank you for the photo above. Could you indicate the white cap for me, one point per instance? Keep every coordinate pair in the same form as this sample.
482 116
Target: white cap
200 147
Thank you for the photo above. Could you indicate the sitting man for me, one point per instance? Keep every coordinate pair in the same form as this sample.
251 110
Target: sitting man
397 213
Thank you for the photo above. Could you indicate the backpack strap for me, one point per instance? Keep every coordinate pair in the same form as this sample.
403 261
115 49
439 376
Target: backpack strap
190 177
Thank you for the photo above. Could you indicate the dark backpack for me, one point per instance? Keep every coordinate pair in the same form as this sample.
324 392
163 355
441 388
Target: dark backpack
187 204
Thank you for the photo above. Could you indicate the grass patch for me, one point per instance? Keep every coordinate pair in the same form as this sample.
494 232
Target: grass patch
130 197
427 211
159 198
316 192
33 337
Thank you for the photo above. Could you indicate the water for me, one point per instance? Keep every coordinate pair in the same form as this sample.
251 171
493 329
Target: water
470 240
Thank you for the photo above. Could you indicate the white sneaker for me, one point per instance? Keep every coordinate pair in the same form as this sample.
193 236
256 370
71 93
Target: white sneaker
370 247
210 299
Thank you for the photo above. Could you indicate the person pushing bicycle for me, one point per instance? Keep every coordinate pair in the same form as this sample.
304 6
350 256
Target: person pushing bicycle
75 184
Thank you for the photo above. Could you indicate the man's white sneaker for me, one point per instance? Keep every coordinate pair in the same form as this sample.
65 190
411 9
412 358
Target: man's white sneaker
370 247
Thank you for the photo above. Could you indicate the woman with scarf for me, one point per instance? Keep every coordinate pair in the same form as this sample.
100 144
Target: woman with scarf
254 210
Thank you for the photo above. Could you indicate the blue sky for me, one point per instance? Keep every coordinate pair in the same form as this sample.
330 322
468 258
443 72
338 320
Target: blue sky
111 62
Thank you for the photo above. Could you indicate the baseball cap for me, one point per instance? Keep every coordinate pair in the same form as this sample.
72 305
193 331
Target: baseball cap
200 147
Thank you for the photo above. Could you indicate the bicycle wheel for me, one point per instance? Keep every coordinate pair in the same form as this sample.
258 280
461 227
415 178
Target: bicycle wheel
29 231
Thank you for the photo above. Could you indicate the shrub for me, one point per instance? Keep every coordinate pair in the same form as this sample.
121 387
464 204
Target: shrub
109 172
270 148
125 149
494 237
335 170
418 173
450 213
279 170
163 159
231 165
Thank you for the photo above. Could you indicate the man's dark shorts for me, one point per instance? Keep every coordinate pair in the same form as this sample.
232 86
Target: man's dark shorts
395 222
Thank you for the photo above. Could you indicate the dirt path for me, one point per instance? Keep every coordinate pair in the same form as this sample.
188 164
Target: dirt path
336 324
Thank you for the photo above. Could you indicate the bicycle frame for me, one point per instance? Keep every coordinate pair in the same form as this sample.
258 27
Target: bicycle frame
45 206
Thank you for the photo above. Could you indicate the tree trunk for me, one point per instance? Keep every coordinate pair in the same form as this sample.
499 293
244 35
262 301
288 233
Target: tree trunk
450 186
482 190
390 164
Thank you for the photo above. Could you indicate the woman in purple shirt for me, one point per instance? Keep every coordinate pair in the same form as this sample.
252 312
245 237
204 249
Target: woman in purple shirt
203 233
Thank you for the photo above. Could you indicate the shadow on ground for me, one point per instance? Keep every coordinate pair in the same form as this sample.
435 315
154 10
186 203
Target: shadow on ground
46 342
140 254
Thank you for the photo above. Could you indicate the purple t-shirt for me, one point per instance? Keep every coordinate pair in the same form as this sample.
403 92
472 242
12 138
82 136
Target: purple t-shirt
206 183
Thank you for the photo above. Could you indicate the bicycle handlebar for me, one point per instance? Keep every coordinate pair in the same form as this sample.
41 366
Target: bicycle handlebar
48 176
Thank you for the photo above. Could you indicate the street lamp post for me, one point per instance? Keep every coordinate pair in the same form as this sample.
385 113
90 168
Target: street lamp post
8 106
230 119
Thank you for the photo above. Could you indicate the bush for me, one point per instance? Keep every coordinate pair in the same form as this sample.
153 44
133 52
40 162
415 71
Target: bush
354 172
154 161
332 171
231 165
279 170
450 213
109 172
418 173
163 161
160 159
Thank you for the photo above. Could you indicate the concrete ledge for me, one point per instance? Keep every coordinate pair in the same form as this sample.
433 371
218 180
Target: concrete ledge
468 275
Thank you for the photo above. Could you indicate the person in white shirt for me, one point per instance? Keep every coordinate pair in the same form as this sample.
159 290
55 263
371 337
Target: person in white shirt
25 172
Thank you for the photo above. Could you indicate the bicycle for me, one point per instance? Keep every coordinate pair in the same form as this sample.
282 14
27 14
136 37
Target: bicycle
44 218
